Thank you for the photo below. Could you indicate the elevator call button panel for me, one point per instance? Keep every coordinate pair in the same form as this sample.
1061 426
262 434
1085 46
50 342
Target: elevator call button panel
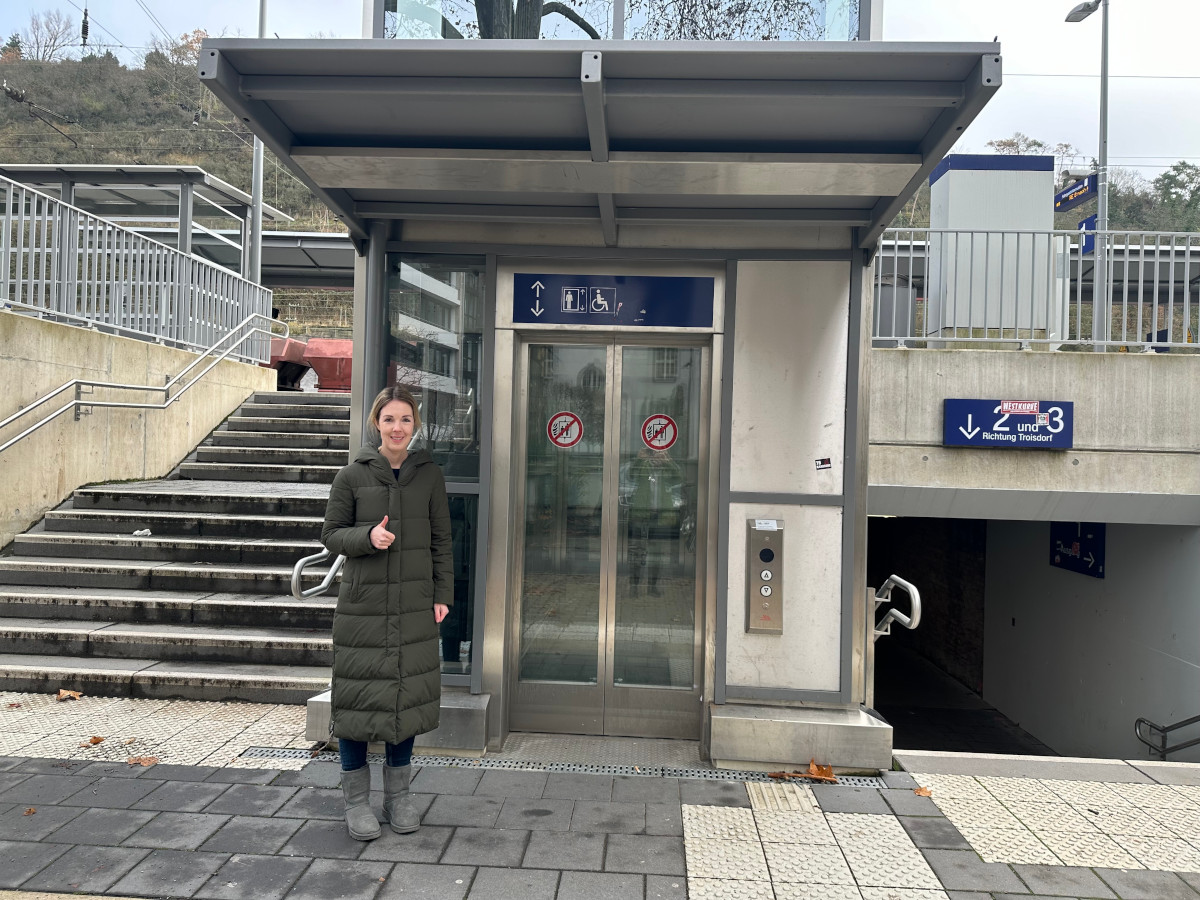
764 576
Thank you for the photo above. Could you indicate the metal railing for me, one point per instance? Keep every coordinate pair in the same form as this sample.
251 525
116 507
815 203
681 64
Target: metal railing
941 288
83 400
298 572
62 263
1155 736
883 626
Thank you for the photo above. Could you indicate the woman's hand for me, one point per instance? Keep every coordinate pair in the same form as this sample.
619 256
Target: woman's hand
381 538
440 611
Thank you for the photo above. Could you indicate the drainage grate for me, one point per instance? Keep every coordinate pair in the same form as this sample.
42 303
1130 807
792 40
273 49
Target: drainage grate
530 766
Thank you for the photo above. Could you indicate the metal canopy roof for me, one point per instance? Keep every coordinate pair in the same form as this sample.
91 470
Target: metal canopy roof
606 132
137 192
290 259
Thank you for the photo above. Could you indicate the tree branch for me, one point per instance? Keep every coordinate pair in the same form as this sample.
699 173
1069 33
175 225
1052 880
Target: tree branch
567 13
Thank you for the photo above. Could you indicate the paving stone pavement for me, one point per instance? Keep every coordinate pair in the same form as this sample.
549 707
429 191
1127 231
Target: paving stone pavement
989 828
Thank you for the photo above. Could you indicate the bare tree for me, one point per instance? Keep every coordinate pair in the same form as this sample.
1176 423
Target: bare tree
48 36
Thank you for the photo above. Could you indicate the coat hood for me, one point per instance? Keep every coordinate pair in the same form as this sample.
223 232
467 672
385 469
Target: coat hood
379 466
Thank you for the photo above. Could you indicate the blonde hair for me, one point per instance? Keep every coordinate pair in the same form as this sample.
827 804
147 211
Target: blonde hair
386 396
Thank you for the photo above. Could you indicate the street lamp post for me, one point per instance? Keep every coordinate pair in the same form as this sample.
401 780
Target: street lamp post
1100 291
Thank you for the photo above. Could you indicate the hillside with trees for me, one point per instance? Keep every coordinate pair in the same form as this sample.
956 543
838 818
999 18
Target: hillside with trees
63 104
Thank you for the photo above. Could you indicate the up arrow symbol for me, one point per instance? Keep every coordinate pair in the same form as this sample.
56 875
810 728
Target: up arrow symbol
969 432
538 287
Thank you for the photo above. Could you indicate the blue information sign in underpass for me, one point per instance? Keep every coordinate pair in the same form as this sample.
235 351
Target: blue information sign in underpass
663 301
1078 547
1009 424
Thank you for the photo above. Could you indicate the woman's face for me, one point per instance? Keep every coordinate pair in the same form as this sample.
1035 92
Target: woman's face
395 425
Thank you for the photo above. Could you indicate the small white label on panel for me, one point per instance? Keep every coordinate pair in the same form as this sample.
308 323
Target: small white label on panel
766 524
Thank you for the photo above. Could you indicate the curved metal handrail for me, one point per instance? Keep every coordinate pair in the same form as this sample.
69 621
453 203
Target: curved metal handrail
1160 746
298 571
884 595
79 383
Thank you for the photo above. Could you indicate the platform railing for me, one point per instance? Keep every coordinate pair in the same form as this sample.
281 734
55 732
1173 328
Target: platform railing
1040 290
62 263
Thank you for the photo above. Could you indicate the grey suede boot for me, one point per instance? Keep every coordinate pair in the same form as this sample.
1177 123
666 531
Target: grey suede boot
399 810
360 821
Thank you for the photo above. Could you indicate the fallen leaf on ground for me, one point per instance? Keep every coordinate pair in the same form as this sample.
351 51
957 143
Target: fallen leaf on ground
142 760
68 695
783 775
14 706
128 741
820 773
923 792
95 740
30 811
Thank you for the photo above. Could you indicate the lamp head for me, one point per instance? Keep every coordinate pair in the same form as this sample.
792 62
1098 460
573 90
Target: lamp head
1083 10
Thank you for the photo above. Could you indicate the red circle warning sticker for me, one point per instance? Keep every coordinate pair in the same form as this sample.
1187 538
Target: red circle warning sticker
659 432
565 429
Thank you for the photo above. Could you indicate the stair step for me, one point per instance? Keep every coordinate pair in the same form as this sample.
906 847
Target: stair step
330 398
293 440
169 607
129 640
273 456
293 411
85 545
154 679
299 425
107 521
201 471
232 497
155 575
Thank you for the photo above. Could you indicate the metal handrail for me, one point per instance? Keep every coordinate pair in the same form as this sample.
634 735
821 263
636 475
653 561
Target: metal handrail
1160 747
884 595
298 570
80 402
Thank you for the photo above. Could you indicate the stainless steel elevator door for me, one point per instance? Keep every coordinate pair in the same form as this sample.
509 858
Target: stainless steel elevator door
609 555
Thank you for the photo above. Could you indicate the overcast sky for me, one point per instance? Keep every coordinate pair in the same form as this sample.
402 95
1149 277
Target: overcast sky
1051 69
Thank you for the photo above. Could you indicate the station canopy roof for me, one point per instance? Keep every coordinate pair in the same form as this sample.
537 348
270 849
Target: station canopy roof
606 132
123 193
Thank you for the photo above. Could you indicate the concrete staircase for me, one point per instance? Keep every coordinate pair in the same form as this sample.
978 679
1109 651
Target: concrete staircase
200 608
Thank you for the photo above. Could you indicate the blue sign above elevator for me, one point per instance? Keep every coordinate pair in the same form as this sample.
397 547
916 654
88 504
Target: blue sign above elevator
607 301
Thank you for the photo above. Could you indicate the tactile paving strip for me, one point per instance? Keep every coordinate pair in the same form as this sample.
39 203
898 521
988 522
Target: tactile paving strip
730 889
795 797
953 787
786 891
726 823
781 826
1010 845
819 864
1171 854
737 860
1090 850
876 893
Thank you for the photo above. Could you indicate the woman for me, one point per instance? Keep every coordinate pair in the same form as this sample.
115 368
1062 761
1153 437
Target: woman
388 516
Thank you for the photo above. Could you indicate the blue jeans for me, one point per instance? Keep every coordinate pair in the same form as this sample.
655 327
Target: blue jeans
354 753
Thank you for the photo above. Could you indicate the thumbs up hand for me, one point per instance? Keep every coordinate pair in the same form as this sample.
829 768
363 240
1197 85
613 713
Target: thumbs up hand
381 538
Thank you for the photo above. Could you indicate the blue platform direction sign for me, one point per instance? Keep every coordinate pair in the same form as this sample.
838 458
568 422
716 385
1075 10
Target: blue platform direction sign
1087 228
605 301
1076 194
1009 424
1078 547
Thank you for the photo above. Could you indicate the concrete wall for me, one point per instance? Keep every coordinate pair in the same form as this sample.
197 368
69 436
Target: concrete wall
789 409
109 445
1075 660
1137 436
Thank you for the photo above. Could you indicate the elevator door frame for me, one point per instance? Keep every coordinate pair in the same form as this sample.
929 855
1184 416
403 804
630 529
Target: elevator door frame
578 708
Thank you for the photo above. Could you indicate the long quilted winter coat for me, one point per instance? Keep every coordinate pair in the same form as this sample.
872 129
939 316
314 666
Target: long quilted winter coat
386 672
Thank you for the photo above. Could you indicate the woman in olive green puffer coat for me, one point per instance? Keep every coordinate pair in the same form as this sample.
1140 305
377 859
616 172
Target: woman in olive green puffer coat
388 515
